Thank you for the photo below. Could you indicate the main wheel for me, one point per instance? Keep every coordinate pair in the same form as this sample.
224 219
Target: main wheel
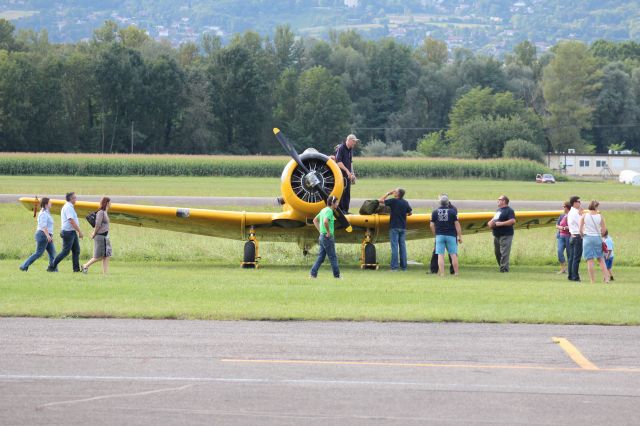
249 255
370 254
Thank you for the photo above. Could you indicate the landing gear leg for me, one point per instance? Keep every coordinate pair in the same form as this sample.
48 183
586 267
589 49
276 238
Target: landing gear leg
368 253
251 256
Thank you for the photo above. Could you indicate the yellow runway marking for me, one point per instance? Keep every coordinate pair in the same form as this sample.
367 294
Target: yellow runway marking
574 354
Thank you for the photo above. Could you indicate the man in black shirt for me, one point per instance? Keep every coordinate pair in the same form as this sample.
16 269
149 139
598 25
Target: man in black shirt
400 209
502 226
448 232
344 157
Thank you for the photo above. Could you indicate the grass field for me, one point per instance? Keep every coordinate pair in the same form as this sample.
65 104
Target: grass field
203 291
162 274
463 189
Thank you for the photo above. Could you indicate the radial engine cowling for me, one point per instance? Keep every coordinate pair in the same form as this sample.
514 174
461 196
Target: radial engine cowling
299 189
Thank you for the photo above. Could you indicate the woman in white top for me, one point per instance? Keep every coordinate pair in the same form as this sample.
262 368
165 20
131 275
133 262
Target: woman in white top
43 236
592 229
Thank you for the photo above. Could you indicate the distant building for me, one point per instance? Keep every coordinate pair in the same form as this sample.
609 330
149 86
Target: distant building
593 164
352 3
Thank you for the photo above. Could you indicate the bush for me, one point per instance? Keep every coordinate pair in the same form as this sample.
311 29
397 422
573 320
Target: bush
433 145
519 148
377 148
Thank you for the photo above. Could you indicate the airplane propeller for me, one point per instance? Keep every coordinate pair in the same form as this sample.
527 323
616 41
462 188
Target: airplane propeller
310 179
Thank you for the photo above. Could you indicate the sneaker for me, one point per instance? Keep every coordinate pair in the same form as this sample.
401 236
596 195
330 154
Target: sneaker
85 269
52 270
611 278
23 269
339 277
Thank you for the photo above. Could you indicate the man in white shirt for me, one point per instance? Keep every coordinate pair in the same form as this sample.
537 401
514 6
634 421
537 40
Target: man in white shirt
69 234
575 241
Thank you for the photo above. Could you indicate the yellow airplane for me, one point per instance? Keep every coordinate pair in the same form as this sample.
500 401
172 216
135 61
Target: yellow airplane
307 181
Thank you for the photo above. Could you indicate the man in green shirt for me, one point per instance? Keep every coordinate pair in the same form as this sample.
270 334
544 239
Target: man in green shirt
324 223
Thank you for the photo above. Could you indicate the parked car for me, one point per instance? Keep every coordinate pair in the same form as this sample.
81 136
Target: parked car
545 178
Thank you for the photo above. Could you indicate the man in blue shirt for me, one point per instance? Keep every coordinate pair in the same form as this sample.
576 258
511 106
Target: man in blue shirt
502 227
400 209
446 227
344 158
69 234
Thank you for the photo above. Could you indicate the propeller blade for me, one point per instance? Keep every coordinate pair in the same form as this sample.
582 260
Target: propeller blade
289 148
339 214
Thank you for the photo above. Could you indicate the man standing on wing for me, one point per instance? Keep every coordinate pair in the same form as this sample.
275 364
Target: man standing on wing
344 157
575 240
446 227
400 209
70 233
502 226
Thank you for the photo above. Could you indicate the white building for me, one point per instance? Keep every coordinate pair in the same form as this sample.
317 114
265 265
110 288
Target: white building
592 164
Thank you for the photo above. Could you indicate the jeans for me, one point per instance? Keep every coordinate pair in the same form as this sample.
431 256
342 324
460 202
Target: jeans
41 245
563 246
70 243
502 249
327 248
575 254
397 236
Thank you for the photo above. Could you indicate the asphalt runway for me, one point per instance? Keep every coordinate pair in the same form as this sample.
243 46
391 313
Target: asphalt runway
107 371
181 201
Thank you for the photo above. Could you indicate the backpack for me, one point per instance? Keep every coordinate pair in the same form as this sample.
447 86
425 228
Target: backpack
370 207
91 218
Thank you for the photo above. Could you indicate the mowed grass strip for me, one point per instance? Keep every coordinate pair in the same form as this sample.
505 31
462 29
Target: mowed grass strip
133 244
368 188
204 291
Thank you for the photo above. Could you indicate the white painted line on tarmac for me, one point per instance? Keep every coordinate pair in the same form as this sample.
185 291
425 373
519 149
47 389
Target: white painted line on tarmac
117 395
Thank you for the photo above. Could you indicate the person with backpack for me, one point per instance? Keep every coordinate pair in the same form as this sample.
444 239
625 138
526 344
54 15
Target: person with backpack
400 209
43 236
70 233
101 243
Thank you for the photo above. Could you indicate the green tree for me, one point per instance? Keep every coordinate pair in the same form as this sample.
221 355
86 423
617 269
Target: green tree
486 137
238 95
569 83
322 111
432 52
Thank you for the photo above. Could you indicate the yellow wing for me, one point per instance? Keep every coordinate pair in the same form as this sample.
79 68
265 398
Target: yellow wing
286 226
418 224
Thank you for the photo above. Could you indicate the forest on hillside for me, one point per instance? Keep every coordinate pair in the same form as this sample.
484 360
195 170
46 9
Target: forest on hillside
123 89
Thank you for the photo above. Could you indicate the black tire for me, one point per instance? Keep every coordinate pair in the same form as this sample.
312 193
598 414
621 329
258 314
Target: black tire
249 251
369 254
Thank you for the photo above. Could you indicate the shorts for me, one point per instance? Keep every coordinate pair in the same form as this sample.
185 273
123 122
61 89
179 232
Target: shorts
609 262
448 242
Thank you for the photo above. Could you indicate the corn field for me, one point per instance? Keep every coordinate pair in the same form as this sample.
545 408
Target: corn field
257 166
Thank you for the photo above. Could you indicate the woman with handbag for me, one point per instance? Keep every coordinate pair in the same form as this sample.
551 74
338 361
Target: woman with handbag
101 243
592 229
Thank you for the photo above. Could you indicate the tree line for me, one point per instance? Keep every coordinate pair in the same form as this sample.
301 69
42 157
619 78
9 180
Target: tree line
122 91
